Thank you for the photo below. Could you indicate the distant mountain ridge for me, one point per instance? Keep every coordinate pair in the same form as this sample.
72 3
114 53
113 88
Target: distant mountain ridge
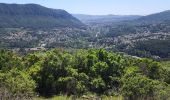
135 19
153 23
35 16
104 19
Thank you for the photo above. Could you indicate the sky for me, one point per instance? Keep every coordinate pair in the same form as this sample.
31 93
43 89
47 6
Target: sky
102 7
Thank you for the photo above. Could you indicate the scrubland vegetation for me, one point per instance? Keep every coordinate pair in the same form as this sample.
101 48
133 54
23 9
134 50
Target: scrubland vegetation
80 73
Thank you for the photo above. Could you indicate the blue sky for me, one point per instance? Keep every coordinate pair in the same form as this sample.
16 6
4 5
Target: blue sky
102 7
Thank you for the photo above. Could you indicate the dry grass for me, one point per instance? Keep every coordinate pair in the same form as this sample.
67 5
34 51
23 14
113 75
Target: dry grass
81 98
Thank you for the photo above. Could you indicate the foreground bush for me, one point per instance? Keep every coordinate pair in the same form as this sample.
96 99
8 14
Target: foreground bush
58 72
139 87
79 72
16 84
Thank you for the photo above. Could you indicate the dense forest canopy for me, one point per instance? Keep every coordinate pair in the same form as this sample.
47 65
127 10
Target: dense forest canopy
80 72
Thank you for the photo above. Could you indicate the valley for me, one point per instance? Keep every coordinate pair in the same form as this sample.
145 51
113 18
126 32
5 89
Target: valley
121 34
50 54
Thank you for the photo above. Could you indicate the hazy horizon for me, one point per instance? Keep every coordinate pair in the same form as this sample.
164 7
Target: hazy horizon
96 7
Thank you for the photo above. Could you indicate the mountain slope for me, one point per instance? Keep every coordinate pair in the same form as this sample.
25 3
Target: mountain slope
35 16
155 18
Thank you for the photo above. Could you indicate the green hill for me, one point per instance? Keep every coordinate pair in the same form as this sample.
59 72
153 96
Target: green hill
155 18
35 16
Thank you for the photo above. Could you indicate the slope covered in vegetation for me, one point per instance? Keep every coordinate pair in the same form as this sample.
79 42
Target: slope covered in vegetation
35 16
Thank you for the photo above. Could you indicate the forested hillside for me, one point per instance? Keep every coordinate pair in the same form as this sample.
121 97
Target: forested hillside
35 16
155 18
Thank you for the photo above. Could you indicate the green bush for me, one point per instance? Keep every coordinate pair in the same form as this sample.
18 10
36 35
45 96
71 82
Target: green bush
16 84
57 72
139 87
